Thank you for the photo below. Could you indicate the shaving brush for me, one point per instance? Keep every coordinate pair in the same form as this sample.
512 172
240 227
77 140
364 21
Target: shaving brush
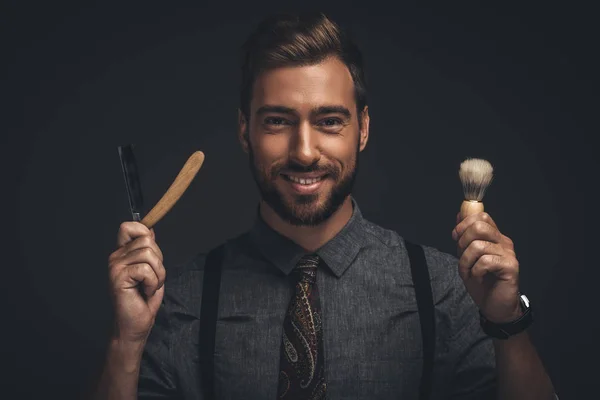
475 175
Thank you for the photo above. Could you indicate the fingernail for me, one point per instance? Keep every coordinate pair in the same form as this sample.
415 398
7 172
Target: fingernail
454 234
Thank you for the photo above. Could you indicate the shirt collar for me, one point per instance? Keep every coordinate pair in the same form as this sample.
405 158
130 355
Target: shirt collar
338 253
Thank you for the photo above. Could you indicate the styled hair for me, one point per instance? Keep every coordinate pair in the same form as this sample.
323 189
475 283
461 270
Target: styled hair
285 40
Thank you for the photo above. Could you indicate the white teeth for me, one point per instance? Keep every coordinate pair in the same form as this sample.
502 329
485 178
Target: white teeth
304 181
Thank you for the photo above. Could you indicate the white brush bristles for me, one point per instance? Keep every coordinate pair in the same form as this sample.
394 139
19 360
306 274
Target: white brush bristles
475 175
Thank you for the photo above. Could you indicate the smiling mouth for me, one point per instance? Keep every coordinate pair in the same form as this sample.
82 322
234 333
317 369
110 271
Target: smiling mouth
303 181
302 186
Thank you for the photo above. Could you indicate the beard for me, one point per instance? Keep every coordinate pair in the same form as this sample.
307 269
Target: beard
303 210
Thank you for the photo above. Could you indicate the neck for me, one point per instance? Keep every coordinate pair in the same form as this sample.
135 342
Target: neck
310 238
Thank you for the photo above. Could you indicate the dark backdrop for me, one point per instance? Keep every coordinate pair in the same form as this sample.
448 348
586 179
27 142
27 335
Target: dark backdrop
504 83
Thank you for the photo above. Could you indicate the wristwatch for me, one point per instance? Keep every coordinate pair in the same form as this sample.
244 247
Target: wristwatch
508 329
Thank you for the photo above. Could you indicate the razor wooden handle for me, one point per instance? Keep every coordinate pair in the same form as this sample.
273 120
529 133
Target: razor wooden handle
178 187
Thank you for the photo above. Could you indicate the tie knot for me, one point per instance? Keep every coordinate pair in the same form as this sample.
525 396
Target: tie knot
306 269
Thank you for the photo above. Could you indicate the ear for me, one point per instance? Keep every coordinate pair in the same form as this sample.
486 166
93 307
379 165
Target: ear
364 129
243 131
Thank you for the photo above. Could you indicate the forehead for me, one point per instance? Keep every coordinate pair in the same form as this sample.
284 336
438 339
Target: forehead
304 87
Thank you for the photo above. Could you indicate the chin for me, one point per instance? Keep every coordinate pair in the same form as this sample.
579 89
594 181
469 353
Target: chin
313 212
305 204
305 209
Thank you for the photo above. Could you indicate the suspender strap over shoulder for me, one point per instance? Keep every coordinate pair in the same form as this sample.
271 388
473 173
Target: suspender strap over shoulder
425 305
210 303
208 318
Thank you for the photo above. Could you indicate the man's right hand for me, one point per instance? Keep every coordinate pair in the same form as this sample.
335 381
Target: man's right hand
137 275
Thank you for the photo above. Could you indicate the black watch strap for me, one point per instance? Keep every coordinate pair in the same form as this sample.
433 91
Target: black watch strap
508 329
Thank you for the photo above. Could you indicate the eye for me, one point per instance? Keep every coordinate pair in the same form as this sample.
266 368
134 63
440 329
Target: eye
276 121
331 124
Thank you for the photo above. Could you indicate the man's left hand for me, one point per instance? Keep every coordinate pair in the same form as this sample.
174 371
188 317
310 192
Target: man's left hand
488 267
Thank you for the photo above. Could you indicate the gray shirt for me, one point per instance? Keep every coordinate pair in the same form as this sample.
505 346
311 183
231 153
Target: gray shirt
371 330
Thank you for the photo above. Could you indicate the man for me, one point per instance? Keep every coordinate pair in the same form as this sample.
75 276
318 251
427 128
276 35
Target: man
314 301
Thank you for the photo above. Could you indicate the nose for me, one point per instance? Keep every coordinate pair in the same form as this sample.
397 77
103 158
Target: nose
304 146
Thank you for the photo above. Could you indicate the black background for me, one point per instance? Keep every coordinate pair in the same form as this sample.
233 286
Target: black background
507 83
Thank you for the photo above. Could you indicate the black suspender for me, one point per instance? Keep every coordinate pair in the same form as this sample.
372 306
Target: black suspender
210 303
208 318
420 276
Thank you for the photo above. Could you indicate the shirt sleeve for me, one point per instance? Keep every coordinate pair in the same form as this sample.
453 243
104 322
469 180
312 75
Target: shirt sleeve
472 351
170 366
157 377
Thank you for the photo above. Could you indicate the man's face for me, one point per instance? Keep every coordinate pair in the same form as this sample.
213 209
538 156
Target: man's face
304 125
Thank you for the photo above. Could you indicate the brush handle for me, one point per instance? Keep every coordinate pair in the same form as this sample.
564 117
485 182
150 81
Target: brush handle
178 187
469 207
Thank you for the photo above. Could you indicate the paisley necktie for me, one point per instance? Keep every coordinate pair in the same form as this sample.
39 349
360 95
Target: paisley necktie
301 366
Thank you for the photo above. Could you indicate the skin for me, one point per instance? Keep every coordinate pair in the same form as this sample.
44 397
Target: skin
279 142
301 136
289 130
489 268
135 267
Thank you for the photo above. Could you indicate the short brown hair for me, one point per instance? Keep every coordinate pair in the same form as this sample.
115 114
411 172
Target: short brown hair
284 40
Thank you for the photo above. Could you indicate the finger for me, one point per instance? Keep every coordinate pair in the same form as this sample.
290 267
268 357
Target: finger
155 300
138 243
475 251
148 256
503 268
130 230
479 230
463 225
136 274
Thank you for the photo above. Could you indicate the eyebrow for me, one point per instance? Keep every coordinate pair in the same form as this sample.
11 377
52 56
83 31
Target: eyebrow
332 109
275 109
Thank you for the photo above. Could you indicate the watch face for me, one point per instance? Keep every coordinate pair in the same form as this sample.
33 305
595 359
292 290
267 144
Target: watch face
524 301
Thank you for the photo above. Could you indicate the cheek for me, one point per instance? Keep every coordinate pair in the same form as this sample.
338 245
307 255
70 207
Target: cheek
343 155
268 160
268 149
